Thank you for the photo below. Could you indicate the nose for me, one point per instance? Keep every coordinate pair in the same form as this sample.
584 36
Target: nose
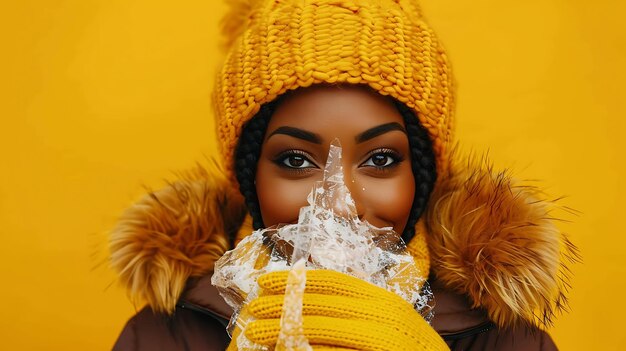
338 199
356 191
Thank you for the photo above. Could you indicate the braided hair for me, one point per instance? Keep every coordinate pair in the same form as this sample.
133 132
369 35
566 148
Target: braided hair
248 152
423 166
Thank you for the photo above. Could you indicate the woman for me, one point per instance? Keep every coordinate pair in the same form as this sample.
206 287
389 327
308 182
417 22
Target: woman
297 75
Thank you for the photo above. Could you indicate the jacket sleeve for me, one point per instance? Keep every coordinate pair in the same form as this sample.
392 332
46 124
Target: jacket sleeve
514 339
184 330
547 344
127 340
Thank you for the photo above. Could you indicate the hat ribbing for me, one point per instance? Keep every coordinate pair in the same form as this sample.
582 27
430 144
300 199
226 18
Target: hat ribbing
274 46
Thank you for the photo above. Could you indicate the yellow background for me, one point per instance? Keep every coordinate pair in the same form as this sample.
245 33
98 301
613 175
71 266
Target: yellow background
99 98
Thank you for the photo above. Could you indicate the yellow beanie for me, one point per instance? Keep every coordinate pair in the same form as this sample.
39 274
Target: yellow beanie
278 45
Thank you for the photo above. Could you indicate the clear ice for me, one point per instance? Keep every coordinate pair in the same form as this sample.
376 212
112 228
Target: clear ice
328 235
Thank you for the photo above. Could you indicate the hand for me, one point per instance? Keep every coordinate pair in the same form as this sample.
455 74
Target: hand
340 311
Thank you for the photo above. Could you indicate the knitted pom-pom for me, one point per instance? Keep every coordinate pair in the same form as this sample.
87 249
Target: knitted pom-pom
412 7
236 20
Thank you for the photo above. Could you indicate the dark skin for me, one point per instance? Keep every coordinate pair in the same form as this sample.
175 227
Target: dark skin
375 154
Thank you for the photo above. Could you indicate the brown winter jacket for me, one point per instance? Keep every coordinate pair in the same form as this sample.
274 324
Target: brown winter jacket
198 324
498 263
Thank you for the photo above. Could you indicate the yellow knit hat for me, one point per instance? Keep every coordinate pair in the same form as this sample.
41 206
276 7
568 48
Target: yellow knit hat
278 45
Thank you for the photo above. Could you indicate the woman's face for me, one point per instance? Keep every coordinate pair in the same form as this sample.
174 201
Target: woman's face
375 154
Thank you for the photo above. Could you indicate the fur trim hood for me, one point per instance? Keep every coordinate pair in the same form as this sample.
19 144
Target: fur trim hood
490 238
175 233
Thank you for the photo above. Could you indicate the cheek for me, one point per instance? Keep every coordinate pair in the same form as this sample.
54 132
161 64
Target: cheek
389 201
280 199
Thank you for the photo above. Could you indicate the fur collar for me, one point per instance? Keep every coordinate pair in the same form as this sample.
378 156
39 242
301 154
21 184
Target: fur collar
495 240
173 234
490 238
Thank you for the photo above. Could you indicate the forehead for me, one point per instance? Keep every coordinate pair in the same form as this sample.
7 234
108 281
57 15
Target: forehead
328 110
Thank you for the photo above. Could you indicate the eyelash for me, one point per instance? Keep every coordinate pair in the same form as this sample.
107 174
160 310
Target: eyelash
396 158
284 156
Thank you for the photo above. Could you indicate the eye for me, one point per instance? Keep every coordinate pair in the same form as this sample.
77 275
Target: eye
379 160
294 159
382 158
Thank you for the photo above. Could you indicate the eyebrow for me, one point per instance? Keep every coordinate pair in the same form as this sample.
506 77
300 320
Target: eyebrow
297 133
378 130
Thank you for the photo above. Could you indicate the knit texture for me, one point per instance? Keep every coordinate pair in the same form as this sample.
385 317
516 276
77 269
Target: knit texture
341 311
418 248
274 46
